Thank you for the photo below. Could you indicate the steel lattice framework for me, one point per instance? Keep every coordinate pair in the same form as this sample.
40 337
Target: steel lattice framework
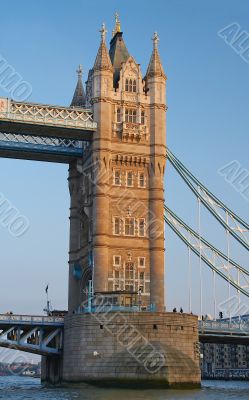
60 145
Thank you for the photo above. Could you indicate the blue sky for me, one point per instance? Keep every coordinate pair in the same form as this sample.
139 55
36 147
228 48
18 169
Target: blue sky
207 127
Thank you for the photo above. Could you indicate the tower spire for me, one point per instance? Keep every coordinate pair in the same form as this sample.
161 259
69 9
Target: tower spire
117 27
102 61
118 51
79 98
155 67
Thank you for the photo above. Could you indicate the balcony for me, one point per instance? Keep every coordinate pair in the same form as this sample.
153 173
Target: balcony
130 131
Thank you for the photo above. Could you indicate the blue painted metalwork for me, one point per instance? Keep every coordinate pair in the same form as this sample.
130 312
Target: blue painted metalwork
39 148
40 335
77 271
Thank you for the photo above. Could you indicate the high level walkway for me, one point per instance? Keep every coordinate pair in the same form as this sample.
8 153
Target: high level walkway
44 132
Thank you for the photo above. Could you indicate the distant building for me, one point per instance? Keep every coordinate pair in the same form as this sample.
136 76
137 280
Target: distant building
226 360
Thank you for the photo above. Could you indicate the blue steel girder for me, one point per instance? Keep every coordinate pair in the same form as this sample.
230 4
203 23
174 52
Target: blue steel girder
40 148
39 335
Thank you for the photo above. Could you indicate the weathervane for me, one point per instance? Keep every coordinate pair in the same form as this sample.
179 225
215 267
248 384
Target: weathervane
155 40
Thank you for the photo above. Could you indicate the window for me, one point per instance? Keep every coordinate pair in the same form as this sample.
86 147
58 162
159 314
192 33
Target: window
142 117
141 276
141 227
129 271
117 261
116 274
134 86
118 115
129 178
117 177
117 226
141 262
131 85
129 226
130 115
141 180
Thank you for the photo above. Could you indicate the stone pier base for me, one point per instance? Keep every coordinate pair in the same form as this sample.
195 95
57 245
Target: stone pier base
140 349
51 369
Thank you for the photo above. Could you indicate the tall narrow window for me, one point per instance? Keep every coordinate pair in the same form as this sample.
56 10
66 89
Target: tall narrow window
126 85
142 117
141 180
134 116
129 178
141 227
129 226
141 262
130 85
117 226
134 86
118 115
117 261
129 271
117 177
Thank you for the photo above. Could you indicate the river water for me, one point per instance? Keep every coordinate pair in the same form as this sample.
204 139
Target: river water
18 388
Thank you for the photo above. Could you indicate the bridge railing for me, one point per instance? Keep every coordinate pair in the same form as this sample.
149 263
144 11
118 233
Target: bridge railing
221 326
40 319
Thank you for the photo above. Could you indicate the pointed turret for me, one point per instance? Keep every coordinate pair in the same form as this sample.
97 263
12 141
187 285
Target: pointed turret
79 97
155 68
118 51
102 61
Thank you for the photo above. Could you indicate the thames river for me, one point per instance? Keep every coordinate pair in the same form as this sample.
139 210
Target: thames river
18 388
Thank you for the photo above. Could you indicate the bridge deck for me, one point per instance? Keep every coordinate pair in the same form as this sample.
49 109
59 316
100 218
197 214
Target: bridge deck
44 335
34 334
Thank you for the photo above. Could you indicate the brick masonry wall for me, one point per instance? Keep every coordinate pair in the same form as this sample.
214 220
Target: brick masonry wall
139 348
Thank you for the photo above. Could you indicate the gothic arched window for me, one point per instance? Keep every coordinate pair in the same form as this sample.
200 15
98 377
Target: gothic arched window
126 85
134 86
130 85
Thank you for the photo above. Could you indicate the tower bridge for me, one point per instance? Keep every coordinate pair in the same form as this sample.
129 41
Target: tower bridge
113 136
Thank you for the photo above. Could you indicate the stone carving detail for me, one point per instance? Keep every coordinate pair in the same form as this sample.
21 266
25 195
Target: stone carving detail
130 131
3 105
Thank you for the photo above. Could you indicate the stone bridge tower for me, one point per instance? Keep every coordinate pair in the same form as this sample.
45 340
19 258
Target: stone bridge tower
117 192
117 235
